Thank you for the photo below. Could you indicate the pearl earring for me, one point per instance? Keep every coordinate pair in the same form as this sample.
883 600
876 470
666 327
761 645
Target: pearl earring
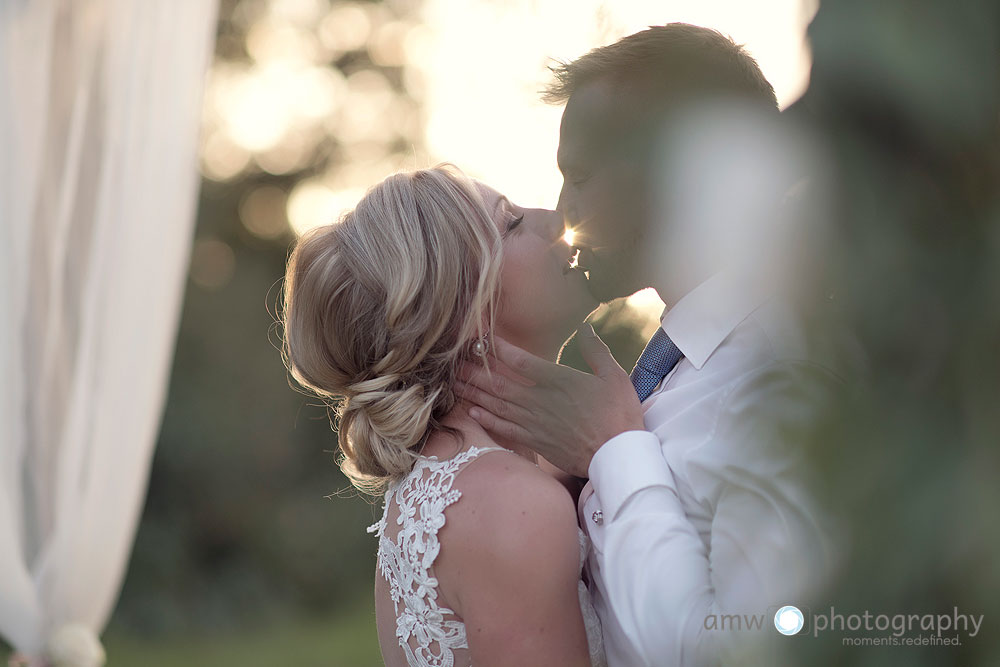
481 346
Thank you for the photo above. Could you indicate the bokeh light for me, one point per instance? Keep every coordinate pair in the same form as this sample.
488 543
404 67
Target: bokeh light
262 212
453 80
483 107
335 96
212 263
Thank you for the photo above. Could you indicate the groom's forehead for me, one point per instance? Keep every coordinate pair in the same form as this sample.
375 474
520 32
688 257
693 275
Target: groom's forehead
589 107
590 118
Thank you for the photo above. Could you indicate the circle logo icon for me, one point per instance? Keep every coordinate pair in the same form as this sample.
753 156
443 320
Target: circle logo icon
789 620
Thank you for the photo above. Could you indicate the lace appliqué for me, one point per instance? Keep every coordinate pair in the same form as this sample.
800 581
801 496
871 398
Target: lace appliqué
428 634
591 621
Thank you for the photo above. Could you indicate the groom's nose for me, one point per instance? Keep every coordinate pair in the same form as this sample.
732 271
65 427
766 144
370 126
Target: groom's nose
566 207
562 202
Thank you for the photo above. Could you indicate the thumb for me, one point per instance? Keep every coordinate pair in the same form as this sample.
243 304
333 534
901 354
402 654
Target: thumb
596 353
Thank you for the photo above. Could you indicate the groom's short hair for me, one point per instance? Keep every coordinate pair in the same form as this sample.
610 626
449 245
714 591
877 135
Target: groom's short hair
663 64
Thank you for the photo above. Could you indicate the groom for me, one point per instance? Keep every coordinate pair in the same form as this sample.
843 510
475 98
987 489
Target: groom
697 505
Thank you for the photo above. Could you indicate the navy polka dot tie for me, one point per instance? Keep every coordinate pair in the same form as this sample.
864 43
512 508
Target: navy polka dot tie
658 359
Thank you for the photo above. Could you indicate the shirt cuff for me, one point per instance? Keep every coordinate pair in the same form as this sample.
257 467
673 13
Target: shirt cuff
625 464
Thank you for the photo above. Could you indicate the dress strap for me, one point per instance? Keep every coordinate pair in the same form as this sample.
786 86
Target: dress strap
428 633
461 459
476 452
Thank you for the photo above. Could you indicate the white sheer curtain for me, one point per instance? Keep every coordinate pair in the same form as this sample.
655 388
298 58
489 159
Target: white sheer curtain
99 113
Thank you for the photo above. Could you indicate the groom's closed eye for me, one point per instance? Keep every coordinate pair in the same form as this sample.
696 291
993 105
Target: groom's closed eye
573 173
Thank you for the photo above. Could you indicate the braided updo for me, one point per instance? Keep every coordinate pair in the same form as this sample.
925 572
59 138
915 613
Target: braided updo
380 307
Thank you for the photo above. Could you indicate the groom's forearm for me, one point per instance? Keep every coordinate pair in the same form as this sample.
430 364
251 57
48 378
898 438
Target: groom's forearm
654 569
657 579
623 466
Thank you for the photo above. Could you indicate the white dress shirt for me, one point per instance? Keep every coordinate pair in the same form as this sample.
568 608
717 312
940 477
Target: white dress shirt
709 510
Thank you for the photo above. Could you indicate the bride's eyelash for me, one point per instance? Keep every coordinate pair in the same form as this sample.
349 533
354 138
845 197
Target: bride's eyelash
513 224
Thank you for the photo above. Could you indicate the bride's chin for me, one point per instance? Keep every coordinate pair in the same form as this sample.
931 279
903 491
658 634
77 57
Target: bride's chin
572 322
548 336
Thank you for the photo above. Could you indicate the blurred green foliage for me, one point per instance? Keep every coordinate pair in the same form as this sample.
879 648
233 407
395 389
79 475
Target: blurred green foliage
344 639
906 97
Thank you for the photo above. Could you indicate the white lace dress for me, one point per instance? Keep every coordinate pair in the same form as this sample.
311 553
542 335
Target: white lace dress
430 635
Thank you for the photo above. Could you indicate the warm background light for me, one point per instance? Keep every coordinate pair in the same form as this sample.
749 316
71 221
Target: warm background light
474 66
486 62
332 97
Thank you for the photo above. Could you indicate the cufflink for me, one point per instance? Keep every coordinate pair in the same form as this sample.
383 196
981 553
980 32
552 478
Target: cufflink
598 517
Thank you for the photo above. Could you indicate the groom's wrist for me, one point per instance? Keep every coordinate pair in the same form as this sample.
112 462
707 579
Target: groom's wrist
625 464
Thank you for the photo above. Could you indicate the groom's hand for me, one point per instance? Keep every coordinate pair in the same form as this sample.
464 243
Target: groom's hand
562 413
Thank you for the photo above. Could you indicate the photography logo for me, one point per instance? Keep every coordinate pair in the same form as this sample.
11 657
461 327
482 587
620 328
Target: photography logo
789 620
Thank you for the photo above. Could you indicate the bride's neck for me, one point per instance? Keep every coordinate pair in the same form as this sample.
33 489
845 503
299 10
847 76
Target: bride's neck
473 434
546 348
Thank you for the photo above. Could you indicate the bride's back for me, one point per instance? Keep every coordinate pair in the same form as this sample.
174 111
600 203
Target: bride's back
415 619
432 519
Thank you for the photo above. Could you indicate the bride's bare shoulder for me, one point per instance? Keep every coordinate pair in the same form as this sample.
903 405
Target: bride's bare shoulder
507 502
510 540
502 479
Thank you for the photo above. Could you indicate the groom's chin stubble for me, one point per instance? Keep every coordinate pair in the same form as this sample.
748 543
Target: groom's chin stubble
615 273
604 294
606 291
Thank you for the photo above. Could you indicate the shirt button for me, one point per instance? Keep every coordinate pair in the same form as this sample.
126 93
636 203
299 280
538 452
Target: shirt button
598 517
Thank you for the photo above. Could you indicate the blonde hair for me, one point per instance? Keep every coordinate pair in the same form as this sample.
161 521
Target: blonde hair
380 307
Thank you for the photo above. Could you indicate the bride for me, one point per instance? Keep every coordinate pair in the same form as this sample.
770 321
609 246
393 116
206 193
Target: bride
479 553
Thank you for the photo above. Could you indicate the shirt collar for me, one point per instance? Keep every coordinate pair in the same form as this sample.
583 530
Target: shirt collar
705 316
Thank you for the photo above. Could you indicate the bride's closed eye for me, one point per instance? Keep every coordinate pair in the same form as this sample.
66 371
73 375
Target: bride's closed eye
512 225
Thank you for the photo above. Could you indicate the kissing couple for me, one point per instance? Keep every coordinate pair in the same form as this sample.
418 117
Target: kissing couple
434 314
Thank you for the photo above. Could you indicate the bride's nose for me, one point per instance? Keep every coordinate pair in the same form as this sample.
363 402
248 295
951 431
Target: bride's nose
551 225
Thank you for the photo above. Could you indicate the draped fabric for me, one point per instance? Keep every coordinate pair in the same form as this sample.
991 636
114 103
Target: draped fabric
99 115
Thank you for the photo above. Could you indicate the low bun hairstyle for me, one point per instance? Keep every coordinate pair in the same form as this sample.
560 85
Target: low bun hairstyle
380 307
